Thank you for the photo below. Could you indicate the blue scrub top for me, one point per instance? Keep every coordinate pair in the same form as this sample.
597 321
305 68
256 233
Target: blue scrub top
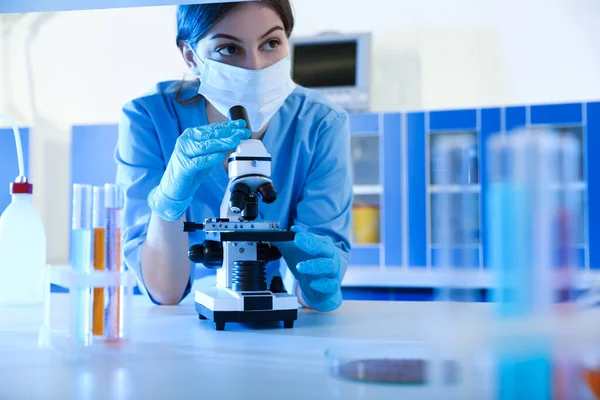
309 142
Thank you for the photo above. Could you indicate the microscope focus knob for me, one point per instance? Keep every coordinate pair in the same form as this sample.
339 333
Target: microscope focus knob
209 253
268 253
276 285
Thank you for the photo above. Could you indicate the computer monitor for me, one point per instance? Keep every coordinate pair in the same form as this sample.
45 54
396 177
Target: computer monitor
338 65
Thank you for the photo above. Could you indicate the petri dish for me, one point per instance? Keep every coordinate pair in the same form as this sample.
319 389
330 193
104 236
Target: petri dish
405 364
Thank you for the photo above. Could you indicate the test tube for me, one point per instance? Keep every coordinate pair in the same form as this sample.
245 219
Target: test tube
568 219
113 202
81 260
521 241
99 224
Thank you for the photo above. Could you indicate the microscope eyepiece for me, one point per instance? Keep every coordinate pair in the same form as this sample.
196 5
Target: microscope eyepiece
239 112
239 197
267 193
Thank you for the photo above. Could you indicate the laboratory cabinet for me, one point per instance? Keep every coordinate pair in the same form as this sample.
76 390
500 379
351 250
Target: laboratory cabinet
409 190
422 188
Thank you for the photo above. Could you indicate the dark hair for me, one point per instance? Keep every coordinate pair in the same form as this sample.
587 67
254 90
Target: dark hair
195 20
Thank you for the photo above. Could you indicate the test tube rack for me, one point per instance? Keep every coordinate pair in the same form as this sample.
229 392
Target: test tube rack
64 317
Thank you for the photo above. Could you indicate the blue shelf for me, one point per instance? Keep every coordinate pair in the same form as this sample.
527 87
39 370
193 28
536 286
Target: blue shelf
515 117
401 294
453 120
392 195
417 202
364 124
365 255
557 114
491 123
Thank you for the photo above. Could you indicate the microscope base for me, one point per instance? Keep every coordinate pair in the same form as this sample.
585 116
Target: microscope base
222 305
220 318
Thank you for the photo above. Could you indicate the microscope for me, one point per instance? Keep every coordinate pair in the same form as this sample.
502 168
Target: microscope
239 246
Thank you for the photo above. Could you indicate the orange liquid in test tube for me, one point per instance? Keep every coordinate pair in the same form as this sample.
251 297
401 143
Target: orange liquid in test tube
99 225
98 310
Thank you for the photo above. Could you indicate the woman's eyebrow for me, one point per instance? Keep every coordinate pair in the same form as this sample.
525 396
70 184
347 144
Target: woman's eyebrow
226 36
230 37
273 29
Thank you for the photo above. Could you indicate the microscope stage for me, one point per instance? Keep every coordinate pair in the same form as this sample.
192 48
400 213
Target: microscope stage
223 305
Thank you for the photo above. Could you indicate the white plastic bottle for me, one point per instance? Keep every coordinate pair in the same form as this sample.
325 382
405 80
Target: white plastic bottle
22 250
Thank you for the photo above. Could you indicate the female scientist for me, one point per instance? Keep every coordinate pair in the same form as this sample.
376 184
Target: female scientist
174 140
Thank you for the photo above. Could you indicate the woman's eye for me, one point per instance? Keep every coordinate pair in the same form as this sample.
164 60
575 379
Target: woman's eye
227 50
271 45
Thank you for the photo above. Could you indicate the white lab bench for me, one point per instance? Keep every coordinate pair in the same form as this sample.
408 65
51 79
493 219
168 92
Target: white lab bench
179 356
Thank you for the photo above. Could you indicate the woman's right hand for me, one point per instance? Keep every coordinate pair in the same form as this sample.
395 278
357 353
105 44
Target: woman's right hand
196 151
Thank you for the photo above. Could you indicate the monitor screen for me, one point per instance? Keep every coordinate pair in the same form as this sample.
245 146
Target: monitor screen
325 64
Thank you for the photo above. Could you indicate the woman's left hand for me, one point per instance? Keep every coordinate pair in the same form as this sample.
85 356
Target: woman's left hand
315 262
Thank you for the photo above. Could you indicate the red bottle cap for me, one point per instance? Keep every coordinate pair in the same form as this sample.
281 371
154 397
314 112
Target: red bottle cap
23 187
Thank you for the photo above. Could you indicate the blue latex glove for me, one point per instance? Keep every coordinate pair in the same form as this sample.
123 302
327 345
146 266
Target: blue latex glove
196 151
315 262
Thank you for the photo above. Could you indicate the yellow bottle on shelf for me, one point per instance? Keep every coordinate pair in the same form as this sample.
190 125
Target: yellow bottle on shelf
366 224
